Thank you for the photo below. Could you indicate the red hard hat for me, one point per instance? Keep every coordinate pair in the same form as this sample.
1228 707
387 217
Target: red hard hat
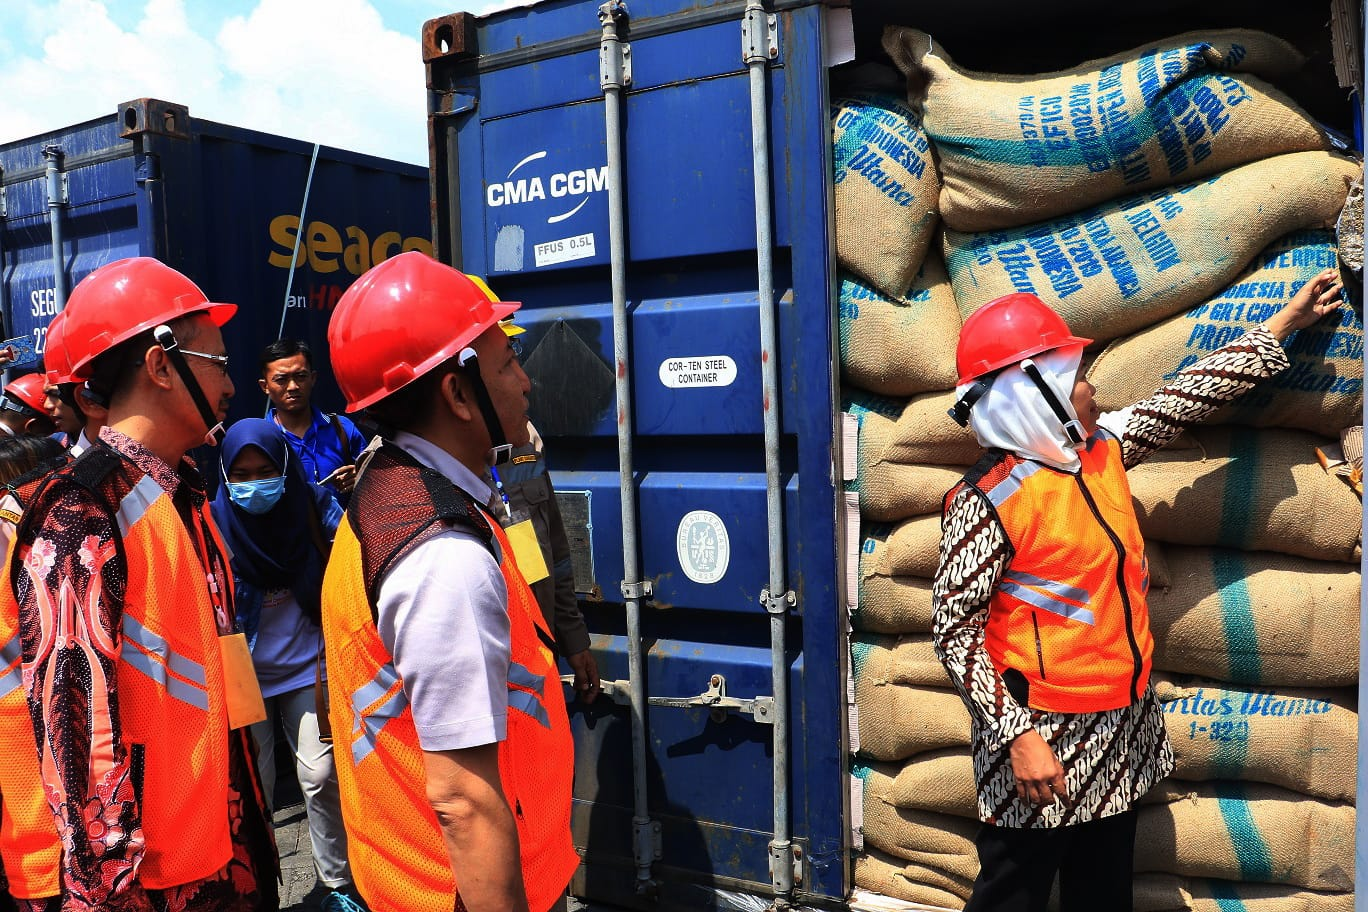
400 320
121 299
1007 330
55 359
28 389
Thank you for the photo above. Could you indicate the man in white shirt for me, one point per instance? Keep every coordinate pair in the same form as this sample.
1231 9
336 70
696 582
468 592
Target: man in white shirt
455 759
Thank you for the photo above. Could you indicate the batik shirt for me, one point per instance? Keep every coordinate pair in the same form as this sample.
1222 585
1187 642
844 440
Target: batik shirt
1110 758
96 809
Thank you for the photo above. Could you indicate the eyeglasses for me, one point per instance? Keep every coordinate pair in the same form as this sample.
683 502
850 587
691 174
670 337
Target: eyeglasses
221 361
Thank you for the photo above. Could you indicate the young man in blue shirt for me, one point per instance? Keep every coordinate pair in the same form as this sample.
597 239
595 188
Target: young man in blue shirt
327 445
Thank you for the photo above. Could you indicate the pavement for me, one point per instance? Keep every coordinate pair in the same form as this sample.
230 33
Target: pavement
300 890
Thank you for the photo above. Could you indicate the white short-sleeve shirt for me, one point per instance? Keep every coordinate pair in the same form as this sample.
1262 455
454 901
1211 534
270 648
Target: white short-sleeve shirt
442 613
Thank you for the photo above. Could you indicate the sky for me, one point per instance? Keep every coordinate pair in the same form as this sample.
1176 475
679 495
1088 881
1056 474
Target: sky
345 73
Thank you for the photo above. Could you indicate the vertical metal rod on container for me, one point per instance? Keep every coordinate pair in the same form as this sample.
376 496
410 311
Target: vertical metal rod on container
759 46
57 201
1361 786
6 319
615 74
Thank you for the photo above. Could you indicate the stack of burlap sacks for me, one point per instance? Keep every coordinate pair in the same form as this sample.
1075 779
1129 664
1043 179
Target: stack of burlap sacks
1163 201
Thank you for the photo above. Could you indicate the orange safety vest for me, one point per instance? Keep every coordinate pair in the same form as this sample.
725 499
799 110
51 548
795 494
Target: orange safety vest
29 845
398 858
1070 614
172 707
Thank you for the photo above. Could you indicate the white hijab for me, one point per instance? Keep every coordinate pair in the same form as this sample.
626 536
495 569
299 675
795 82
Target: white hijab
1013 415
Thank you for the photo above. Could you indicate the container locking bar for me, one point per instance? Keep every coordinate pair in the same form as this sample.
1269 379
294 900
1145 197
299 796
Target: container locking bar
714 699
760 49
58 198
615 74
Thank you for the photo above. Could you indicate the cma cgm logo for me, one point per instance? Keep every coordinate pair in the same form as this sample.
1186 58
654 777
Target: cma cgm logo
572 186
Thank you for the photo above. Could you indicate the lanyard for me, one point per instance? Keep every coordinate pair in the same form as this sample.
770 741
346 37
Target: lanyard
503 495
212 569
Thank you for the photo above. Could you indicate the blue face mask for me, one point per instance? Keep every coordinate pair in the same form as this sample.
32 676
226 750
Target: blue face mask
257 497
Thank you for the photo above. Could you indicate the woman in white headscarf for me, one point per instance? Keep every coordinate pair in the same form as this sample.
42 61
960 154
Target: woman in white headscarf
1040 597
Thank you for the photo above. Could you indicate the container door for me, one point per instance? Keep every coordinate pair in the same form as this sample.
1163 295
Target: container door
100 216
520 180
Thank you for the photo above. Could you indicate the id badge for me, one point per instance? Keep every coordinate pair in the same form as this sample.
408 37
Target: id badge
245 705
527 552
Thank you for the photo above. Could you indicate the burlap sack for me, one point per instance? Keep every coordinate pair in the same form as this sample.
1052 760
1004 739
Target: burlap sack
939 781
909 833
900 346
1119 267
907 431
898 721
1323 389
1251 833
1303 740
1257 618
1241 488
904 659
909 548
882 873
1170 893
886 189
1018 149
891 491
892 604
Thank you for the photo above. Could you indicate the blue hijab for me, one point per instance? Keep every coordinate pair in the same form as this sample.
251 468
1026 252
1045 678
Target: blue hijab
276 549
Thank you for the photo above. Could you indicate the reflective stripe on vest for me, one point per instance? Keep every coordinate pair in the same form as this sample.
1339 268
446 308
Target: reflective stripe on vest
1062 599
136 503
153 656
13 675
1069 613
375 704
523 701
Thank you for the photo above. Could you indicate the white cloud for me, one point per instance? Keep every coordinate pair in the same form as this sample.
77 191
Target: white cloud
321 70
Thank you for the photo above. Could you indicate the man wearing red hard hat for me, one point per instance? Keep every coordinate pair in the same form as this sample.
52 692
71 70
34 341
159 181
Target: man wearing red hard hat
1041 616
136 680
22 407
456 766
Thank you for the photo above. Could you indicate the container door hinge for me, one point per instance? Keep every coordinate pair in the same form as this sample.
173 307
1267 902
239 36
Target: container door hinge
778 604
759 34
615 55
792 855
58 186
646 839
450 104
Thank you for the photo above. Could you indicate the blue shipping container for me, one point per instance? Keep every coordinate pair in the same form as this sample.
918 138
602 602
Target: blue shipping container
651 290
523 193
219 203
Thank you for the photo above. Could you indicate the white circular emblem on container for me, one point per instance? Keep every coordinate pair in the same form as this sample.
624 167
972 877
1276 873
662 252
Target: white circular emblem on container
703 546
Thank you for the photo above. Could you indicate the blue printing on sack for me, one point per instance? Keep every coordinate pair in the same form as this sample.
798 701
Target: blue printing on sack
1143 127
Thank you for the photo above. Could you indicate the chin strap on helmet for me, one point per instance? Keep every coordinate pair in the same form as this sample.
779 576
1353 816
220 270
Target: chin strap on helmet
167 340
1073 428
501 450
960 410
